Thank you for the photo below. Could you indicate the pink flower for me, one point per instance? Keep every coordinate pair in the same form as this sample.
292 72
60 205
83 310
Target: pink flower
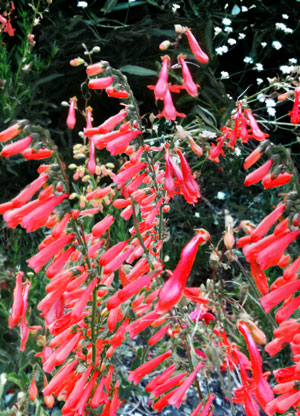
146 368
71 119
295 115
194 45
161 86
188 82
17 147
100 83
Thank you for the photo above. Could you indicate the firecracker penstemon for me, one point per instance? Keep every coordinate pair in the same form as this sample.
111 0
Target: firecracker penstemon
100 294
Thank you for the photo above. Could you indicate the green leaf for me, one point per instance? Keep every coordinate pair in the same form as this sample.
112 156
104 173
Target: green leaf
235 10
49 78
109 6
137 359
127 5
138 70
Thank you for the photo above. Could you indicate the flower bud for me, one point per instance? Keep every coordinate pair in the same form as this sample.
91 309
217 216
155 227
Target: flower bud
164 45
179 29
76 62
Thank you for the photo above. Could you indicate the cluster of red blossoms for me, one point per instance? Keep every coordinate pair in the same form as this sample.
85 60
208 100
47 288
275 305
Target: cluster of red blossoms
162 89
99 293
5 21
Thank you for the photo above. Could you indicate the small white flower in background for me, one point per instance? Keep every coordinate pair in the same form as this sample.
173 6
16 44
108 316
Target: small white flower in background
261 97
289 30
217 30
221 195
259 81
228 29
3 378
292 61
281 26
167 258
231 41
271 111
244 9
197 215
82 4
276 44
263 44
221 50
242 35
237 151
285 16
224 75
248 60
209 134
175 7
226 21
285 69
270 102
259 67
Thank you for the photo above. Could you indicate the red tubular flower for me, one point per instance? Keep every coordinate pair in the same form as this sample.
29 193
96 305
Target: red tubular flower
31 154
172 290
129 290
161 378
295 115
140 324
252 158
195 147
112 252
168 384
188 83
121 178
108 124
258 174
264 226
94 69
194 45
291 271
191 190
158 335
17 147
259 278
119 145
76 393
27 193
271 255
42 257
161 86
84 298
33 389
269 181
140 372
257 134
23 325
59 377
272 299
71 119
179 393
112 92
99 229
169 111
17 307
287 310
117 262
100 83
10 132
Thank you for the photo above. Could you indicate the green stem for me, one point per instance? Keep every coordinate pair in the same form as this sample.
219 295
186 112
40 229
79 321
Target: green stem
192 368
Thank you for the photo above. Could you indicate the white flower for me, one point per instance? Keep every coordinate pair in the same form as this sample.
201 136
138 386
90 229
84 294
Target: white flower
261 97
237 151
270 102
242 35
288 30
208 134
244 9
231 41
271 111
217 30
228 29
248 60
221 50
263 44
285 69
259 81
259 67
226 21
175 7
281 26
292 61
197 215
224 75
285 16
82 4
276 44
221 195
